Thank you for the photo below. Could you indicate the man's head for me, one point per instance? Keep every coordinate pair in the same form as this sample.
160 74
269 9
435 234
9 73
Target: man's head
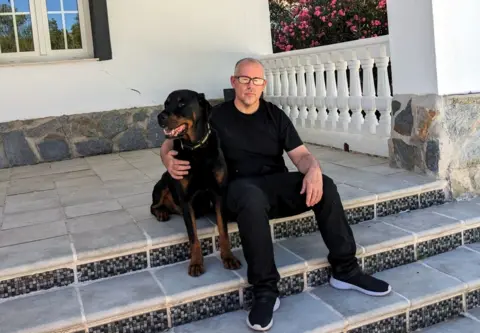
248 81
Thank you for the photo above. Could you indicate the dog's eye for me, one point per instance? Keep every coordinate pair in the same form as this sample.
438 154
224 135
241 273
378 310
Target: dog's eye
181 105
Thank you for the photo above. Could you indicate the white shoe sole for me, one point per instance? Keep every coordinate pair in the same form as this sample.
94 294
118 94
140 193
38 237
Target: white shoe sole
270 324
345 286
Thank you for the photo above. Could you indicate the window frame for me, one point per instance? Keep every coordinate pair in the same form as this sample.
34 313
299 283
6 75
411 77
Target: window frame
41 37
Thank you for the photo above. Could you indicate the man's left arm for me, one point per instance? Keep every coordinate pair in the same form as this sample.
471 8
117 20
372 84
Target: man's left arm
303 159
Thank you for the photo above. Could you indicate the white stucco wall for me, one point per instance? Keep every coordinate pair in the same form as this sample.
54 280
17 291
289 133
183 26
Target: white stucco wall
434 46
149 39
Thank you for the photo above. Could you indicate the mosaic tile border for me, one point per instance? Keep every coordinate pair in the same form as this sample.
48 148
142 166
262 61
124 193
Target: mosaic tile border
473 299
205 308
177 252
41 281
235 241
471 235
295 228
439 245
112 267
389 259
319 276
395 324
360 214
395 206
150 322
431 198
435 313
287 286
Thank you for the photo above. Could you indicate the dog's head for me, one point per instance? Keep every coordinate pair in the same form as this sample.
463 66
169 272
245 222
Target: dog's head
185 116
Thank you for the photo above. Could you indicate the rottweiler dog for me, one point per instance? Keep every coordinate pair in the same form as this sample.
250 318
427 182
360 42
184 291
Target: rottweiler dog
186 120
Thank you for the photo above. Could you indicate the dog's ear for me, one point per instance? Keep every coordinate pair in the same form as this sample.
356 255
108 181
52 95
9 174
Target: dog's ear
205 104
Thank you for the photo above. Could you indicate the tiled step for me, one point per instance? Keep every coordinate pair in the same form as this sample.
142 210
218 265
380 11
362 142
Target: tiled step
467 323
100 239
165 297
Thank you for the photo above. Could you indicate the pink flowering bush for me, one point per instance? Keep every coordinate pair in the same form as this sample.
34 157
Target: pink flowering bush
310 23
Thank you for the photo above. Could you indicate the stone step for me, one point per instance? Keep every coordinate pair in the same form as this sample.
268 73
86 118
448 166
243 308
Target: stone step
100 239
427 291
469 322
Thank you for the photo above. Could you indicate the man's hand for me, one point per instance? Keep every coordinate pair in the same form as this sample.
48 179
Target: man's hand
313 186
176 168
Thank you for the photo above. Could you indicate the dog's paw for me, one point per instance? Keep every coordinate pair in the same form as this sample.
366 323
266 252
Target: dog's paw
231 262
196 269
162 215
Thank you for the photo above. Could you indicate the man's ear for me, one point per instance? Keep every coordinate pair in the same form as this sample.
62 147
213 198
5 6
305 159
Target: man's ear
205 104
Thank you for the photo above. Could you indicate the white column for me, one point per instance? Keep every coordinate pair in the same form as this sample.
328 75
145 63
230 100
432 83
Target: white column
434 46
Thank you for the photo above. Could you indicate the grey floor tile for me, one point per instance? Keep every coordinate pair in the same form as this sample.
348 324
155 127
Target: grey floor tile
136 200
140 213
285 261
125 189
98 221
381 169
420 284
27 187
92 208
422 223
99 242
358 307
300 313
133 175
32 217
468 211
375 235
310 248
174 229
457 325
475 313
348 192
358 161
32 233
120 295
40 200
180 286
30 256
88 181
47 312
80 195
461 263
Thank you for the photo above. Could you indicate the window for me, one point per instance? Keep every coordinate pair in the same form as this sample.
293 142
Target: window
49 30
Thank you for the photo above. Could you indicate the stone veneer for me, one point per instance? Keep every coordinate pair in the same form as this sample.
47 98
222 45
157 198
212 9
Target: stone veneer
440 136
32 141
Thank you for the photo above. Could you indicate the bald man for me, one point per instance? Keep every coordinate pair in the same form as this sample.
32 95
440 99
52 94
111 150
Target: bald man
254 134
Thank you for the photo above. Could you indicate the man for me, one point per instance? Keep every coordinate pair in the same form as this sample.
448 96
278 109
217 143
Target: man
254 134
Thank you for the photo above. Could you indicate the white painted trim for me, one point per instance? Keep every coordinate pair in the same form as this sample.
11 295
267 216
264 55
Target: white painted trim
41 36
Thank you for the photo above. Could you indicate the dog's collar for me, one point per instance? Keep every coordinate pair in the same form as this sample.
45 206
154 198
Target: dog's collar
200 143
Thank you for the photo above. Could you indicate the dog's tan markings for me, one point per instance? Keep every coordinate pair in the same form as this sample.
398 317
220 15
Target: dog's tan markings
220 176
165 206
228 259
196 267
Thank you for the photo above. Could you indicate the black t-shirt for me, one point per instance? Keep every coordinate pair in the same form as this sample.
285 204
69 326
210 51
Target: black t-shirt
253 144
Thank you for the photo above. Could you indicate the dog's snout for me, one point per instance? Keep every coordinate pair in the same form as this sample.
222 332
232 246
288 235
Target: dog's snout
162 118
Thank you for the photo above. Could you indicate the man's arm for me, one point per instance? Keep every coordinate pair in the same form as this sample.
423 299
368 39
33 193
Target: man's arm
167 145
303 159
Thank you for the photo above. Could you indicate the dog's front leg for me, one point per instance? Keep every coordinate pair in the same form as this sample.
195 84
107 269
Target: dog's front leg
196 267
228 259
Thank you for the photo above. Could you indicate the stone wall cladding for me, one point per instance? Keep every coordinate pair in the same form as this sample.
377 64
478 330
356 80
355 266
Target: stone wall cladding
32 141
439 136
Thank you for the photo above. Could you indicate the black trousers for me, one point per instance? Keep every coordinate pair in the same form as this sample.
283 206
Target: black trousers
253 201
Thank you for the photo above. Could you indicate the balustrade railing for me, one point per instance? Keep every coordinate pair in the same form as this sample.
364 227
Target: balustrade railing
336 95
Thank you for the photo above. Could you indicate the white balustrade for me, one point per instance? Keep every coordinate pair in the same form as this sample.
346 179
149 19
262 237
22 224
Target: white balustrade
329 93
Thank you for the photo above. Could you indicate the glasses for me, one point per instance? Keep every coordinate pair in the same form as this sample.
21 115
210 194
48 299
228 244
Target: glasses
258 81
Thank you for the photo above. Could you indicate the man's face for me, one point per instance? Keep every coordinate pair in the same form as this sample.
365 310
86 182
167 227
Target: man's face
248 92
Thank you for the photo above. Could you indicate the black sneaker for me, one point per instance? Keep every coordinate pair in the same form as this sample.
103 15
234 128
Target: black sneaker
260 317
364 283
